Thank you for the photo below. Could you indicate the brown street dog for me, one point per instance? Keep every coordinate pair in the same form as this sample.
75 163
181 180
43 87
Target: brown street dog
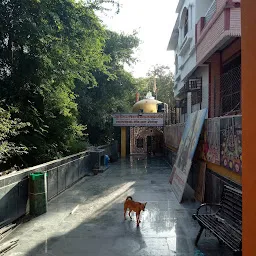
133 206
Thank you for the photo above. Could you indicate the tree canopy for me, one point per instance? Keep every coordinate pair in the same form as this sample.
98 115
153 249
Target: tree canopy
62 75
45 46
113 94
164 83
10 128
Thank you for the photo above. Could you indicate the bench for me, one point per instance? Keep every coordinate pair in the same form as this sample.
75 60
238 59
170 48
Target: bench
223 220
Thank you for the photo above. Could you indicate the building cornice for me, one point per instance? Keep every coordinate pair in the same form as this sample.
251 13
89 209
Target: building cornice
179 7
174 37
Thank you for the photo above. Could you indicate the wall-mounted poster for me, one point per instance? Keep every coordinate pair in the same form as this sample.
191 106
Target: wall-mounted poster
231 143
213 140
186 152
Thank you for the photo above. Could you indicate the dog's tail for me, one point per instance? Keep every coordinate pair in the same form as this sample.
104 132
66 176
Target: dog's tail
129 197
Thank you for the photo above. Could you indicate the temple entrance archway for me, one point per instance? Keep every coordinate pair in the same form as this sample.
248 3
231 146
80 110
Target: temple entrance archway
146 140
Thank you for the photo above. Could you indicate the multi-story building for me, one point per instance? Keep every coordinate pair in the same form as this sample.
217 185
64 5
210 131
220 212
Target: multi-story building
207 47
206 41
218 43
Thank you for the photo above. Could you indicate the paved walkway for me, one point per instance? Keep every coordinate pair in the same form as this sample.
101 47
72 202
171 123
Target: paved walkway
88 220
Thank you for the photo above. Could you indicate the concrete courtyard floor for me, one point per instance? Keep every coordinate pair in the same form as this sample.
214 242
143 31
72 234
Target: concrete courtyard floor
87 219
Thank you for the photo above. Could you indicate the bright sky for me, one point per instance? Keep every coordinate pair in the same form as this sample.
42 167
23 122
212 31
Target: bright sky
154 20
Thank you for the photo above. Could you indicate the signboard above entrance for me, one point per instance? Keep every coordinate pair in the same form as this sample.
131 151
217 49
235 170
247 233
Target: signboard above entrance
152 119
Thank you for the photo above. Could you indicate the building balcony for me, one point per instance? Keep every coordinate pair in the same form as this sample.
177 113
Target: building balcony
177 76
193 84
186 43
221 24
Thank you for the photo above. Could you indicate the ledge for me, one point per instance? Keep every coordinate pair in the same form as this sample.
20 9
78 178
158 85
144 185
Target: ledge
177 77
185 45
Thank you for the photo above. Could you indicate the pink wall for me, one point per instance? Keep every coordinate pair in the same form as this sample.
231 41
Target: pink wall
225 22
235 22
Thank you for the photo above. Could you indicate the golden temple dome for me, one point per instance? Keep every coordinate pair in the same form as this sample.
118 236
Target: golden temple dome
148 105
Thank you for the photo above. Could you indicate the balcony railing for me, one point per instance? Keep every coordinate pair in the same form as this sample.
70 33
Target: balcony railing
186 28
193 84
186 43
177 76
211 11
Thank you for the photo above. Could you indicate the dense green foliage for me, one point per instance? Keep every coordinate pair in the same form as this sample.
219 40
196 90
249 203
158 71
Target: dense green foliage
164 83
44 47
96 104
61 77
10 128
49 48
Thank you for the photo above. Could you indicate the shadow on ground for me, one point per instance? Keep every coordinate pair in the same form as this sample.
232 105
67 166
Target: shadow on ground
96 226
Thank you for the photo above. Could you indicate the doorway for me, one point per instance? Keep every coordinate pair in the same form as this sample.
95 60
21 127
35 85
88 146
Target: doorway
153 145
149 145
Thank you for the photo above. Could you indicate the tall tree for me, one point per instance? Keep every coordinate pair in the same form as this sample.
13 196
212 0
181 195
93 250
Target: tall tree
45 46
113 94
163 78
10 128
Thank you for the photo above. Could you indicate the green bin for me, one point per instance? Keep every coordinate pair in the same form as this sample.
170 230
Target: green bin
37 193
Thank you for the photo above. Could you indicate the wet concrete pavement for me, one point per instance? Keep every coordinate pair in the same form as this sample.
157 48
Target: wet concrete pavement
87 219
